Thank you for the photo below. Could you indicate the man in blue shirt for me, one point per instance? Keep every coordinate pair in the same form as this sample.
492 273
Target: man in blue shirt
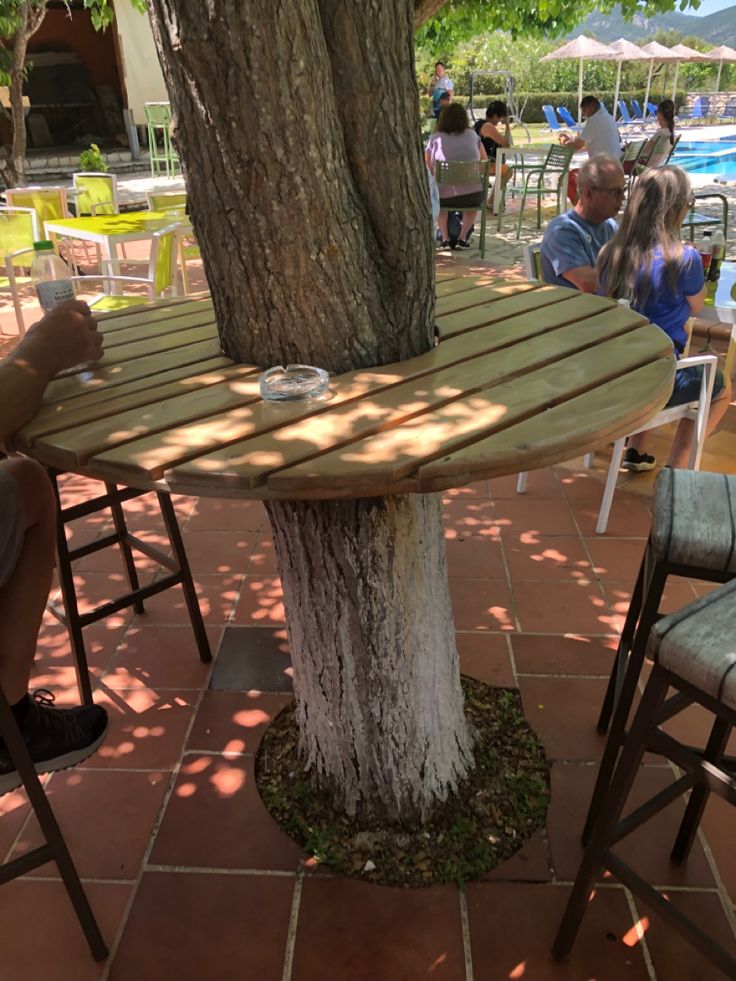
439 86
572 241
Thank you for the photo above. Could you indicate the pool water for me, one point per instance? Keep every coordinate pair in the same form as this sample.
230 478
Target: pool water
716 158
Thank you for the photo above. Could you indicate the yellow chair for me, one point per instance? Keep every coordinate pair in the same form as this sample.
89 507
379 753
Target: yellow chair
96 194
159 282
18 232
176 202
49 203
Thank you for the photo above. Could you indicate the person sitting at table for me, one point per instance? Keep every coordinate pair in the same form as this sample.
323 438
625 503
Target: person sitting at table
666 120
492 138
572 241
647 264
599 135
56 737
453 139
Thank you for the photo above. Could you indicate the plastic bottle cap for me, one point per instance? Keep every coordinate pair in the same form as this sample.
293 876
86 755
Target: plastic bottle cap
43 246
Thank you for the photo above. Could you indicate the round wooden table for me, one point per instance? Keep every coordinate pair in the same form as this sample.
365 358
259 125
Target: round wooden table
525 375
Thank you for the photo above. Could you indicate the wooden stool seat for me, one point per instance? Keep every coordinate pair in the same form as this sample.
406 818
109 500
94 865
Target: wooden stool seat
698 644
694 654
694 519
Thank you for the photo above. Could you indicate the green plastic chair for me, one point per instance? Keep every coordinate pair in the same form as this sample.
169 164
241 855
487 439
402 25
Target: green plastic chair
18 231
160 280
555 166
161 150
466 172
96 194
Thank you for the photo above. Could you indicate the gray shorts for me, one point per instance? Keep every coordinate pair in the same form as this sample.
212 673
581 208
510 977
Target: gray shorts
12 525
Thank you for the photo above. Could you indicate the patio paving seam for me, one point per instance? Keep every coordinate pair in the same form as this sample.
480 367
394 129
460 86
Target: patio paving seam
21 831
510 584
641 933
512 659
465 927
136 883
296 900
205 870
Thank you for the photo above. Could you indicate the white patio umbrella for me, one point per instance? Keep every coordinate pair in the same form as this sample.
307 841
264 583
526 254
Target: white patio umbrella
656 52
720 54
582 47
685 54
627 51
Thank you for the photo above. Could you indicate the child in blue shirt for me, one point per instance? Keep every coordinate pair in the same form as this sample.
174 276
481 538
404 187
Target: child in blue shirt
647 264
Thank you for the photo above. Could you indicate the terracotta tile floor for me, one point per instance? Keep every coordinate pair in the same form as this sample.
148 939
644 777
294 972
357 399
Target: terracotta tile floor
188 875
192 879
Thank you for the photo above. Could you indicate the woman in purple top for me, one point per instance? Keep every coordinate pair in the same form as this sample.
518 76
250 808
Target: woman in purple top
662 277
453 139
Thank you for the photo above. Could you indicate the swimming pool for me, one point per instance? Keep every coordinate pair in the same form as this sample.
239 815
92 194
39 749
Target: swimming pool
716 158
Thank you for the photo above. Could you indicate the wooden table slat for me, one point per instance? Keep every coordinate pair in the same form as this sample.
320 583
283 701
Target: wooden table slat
538 303
249 462
108 376
76 414
488 294
156 312
647 388
459 285
399 452
387 407
161 328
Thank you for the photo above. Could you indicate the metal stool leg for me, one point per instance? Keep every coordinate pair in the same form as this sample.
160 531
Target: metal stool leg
121 530
190 593
615 799
699 795
625 701
55 847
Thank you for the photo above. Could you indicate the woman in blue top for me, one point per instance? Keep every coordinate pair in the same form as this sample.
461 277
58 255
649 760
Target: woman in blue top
662 277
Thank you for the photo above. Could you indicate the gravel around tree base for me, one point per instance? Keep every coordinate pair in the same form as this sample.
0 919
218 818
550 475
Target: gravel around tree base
498 807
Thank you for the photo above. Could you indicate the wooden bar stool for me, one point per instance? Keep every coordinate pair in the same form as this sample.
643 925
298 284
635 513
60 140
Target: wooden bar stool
54 848
694 652
694 535
178 566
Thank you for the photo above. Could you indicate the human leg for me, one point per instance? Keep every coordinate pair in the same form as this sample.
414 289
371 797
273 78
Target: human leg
572 185
685 433
25 588
468 222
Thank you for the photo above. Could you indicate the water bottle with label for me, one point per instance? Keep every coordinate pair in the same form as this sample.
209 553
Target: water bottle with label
50 275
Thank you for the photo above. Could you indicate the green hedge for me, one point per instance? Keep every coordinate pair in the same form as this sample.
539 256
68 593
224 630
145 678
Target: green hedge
532 112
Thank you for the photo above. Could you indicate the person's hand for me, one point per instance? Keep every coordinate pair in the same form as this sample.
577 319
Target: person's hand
65 336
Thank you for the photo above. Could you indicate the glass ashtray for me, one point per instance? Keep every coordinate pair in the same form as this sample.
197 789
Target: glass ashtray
293 383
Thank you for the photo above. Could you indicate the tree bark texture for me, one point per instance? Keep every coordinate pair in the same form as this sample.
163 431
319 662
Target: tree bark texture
376 675
424 9
30 19
298 127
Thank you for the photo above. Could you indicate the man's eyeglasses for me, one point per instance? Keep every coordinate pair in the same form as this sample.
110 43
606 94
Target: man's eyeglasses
616 192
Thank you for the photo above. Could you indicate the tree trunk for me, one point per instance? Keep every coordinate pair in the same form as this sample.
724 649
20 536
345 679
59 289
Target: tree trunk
298 129
30 19
376 676
298 126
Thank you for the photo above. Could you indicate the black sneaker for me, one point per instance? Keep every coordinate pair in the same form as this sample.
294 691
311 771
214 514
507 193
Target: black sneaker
638 462
463 243
57 738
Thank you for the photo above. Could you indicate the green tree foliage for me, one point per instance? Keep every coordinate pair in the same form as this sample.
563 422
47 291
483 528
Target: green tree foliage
457 20
19 21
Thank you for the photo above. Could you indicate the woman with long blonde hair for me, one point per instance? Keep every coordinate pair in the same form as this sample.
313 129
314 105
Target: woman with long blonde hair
662 277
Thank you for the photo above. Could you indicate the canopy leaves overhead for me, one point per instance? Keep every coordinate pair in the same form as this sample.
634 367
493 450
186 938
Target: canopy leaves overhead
445 23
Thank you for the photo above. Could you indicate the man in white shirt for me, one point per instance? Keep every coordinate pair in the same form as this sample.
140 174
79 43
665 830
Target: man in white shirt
599 135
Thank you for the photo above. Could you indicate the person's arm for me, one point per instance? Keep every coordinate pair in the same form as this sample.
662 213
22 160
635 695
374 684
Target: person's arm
583 278
578 142
503 139
66 336
694 280
482 151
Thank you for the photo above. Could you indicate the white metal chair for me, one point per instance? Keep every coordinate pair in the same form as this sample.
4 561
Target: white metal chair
18 231
160 267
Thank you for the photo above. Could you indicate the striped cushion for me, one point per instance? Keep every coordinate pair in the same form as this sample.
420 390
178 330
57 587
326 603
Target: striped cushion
694 519
698 643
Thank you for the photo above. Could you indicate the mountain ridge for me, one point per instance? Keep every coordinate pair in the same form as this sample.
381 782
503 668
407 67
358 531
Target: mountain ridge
718 28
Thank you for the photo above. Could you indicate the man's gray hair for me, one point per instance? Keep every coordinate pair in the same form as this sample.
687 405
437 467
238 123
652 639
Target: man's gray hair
596 169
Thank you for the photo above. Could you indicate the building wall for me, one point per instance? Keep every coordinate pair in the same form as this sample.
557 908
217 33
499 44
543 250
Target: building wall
73 31
142 77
